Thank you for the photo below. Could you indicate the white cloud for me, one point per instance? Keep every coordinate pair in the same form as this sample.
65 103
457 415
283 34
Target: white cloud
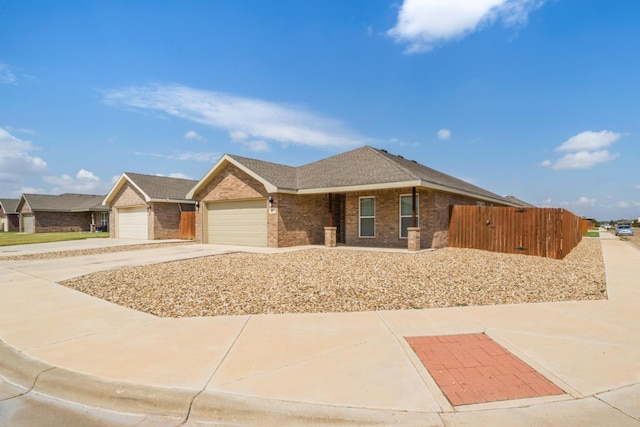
255 118
175 175
583 160
423 24
637 187
585 201
207 157
583 146
84 182
444 134
16 160
192 134
6 76
589 141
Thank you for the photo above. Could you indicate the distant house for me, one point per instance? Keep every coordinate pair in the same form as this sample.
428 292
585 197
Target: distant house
368 196
150 207
9 216
43 213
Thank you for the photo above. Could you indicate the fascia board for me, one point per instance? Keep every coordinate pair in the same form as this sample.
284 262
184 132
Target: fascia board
167 200
402 184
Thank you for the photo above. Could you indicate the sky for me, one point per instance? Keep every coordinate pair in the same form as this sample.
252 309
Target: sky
538 99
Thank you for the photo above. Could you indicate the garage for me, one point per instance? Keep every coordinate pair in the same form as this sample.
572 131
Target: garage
241 223
133 223
28 224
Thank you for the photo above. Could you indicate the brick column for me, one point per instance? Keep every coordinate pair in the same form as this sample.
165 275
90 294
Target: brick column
330 236
414 238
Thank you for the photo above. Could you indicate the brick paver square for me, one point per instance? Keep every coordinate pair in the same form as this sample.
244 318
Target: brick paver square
472 368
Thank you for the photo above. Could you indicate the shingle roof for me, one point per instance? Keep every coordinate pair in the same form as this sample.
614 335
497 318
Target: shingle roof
9 205
365 166
67 202
162 187
279 175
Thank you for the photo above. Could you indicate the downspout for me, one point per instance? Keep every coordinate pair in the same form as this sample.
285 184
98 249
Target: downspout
413 207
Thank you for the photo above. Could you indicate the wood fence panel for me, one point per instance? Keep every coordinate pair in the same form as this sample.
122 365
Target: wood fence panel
187 225
543 232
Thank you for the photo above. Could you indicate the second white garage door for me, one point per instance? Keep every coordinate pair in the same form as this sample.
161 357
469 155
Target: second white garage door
238 223
133 223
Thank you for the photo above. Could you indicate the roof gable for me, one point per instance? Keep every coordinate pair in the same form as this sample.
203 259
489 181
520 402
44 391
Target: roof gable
153 188
9 206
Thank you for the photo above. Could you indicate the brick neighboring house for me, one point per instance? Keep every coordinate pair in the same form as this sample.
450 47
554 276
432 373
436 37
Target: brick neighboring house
9 216
364 197
44 213
148 206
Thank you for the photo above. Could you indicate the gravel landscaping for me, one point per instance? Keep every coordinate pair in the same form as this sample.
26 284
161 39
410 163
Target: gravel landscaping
338 280
80 252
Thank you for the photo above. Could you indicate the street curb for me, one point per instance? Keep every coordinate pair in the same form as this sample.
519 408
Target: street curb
213 406
34 375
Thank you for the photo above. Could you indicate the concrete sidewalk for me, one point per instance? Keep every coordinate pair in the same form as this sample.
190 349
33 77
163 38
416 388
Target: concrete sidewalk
316 369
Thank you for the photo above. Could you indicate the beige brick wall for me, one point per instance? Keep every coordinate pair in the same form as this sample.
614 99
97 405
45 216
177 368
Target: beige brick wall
165 218
300 219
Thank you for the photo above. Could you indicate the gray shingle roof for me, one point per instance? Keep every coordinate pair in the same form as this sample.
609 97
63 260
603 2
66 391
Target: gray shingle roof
360 167
67 202
279 175
9 205
162 187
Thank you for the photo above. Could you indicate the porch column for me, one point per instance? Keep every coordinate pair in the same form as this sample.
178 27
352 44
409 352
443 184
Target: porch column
413 239
330 236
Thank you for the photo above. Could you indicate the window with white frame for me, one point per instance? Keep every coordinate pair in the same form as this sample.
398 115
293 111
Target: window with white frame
367 216
406 214
104 219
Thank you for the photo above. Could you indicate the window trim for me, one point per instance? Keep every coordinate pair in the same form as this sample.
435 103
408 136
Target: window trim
104 219
360 217
400 216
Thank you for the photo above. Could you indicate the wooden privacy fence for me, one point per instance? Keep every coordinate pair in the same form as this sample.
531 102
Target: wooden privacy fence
187 225
545 232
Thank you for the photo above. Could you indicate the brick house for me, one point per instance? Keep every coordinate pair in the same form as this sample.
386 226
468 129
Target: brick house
44 213
9 216
364 197
150 207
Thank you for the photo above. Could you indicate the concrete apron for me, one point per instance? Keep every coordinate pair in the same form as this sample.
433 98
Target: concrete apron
339 367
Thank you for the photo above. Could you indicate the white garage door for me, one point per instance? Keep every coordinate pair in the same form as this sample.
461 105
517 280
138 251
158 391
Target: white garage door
132 223
28 224
238 223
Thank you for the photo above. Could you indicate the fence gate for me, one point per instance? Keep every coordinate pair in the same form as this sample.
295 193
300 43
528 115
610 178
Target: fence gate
187 225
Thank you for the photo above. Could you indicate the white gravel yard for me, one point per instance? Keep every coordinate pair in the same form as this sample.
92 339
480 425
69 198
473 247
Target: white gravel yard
330 280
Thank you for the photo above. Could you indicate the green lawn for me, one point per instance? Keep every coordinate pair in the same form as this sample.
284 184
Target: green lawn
13 238
592 234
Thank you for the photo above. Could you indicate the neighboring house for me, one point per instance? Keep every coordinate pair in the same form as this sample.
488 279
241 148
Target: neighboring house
9 216
149 206
44 213
366 194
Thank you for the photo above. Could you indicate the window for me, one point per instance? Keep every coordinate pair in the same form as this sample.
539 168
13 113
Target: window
104 219
406 214
367 217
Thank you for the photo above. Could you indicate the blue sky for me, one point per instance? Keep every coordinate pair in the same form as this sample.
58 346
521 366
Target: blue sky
539 99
